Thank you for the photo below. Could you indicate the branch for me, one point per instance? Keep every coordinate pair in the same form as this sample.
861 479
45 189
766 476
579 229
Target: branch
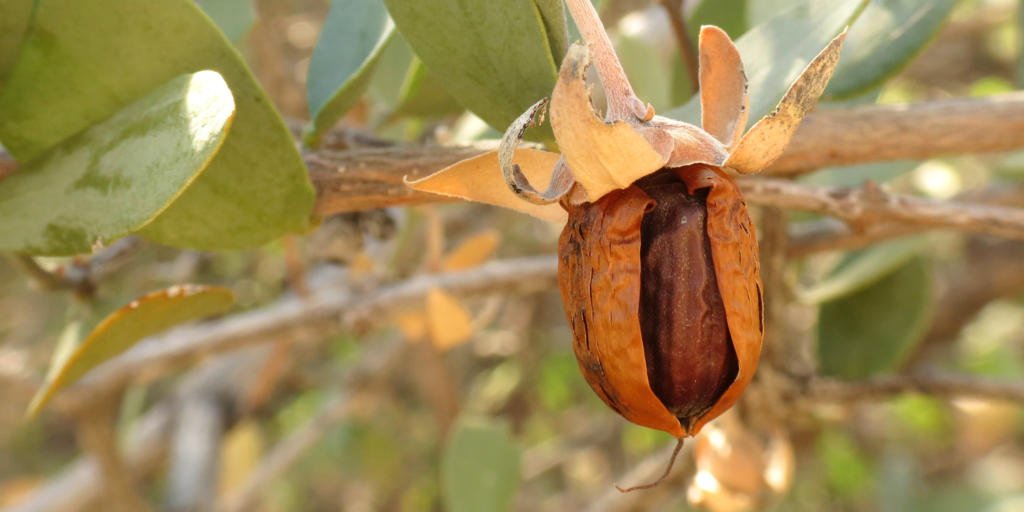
369 178
82 274
905 132
869 205
948 386
674 9
833 235
372 177
295 319
78 487
192 470
97 436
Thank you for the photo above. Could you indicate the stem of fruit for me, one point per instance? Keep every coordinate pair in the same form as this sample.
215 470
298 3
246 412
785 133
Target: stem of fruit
622 101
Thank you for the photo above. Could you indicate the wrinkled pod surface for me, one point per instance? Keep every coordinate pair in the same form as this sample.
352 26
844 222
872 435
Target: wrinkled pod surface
661 287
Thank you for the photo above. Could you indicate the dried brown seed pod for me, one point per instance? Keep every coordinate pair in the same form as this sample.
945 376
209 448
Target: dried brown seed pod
666 318
662 290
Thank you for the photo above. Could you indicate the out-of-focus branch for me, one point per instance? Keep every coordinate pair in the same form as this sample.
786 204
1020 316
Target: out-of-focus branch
82 274
195 454
834 235
78 487
291 449
295 319
831 234
97 436
687 52
948 386
870 204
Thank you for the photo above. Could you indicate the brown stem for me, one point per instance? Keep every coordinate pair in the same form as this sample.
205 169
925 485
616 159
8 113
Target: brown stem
622 101
686 49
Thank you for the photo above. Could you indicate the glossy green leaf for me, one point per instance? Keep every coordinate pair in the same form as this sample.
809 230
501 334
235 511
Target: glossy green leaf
873 330
495 57
479 468
885 38
859 269
353 37
84 61
118 175
234 17
776 51
14 20
119 331
423 95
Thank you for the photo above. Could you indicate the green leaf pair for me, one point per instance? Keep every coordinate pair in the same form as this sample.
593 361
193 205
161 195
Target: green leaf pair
75 79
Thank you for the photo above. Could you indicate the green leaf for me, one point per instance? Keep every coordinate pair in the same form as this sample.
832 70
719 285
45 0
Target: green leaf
423 95
353 37
83 61
760 11
884 39
495 57
648 63
234 17
15 16
392 68
859 269
552 13
119 331
873 330
728 15
857 175
118 175
479 468
776 51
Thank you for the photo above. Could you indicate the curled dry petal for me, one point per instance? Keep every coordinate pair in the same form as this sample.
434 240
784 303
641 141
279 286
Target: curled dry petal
603 157
724 104
477 179
768 138
518 183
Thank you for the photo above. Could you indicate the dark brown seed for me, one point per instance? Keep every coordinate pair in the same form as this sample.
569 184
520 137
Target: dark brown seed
690 355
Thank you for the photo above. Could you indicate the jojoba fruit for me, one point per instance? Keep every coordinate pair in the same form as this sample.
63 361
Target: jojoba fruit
661 287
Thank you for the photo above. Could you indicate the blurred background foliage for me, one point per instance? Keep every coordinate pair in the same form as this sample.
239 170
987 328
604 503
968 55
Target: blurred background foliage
485 409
